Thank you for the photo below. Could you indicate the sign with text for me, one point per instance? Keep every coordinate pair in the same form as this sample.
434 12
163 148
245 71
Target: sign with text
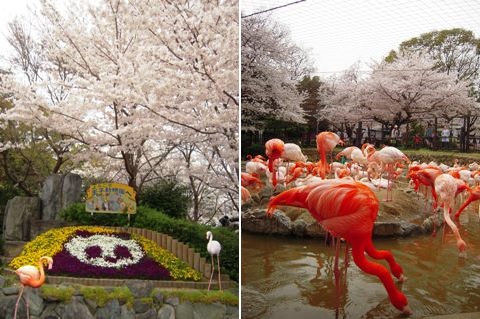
111 198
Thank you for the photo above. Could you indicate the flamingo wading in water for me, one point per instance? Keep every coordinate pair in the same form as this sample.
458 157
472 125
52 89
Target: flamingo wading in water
213 248
348 209
31 276
446 188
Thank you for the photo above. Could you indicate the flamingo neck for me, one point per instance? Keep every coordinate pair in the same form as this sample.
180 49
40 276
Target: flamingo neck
38 282
397 298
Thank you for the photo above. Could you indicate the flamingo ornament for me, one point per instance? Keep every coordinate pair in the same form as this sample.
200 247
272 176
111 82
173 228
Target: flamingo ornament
347 209
213 248
31 276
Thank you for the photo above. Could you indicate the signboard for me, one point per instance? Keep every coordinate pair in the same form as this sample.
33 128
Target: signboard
111 198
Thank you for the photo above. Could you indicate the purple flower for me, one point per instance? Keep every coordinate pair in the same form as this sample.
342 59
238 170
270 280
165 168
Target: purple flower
93 252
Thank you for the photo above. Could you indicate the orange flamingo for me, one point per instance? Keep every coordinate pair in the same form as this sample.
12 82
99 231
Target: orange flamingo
31 276
474 195
273 149
348 209
446 188
326 142
245 195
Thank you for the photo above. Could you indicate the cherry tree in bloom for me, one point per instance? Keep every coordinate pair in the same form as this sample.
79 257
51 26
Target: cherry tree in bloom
409 88
342 100
271 68
143 78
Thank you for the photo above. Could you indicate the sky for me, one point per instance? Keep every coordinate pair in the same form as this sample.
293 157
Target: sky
8 11
338 33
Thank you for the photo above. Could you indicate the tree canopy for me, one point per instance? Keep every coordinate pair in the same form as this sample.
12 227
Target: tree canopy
271 67
130 82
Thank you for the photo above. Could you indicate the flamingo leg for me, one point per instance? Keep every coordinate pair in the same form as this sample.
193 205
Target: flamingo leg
346 261
336 273
211 275
18 300
219 280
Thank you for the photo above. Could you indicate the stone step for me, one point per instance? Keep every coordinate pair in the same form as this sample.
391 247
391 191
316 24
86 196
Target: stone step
13 248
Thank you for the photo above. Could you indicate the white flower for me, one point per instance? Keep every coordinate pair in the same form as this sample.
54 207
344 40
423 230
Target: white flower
77 247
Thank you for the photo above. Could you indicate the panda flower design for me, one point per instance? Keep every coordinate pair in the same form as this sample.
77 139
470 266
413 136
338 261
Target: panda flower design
99 252
105 250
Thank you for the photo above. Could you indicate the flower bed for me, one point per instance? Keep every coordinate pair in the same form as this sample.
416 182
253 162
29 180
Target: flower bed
89 251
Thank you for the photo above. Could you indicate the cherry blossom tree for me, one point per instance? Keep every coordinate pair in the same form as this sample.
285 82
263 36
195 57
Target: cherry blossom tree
139 79
271 67
409 88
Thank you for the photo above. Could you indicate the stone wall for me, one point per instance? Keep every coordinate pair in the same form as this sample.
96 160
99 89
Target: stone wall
58 192
19 213
146 304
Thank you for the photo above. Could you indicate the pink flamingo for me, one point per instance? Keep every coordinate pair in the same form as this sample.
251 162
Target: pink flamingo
326 142
274 149
245 195
474 195
31 276
389 156
348 209
446 188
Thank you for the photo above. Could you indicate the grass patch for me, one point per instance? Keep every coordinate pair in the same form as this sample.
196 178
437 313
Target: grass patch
203 296
63 294
101 296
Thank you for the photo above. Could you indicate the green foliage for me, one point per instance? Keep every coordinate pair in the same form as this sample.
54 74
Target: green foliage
168 196
76 213
63 294
101 296
202 296
193 234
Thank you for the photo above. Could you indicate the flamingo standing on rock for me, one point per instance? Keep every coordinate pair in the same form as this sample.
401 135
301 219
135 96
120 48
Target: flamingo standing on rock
326 142
213 248
274 149
347 209
31 276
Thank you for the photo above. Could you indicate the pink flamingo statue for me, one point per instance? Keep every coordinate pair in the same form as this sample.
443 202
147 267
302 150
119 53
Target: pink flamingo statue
31 276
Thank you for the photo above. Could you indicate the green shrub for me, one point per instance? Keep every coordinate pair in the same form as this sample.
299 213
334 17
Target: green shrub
168 196
194 235
76 213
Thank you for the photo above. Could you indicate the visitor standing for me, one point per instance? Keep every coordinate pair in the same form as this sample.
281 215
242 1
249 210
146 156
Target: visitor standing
429 135
445 137
395 135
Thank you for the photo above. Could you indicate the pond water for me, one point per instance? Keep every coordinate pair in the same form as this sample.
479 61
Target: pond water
294 276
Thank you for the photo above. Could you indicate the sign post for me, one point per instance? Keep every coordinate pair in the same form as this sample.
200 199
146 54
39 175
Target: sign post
111 198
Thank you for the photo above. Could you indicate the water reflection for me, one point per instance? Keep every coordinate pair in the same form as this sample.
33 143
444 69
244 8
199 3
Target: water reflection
296 277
